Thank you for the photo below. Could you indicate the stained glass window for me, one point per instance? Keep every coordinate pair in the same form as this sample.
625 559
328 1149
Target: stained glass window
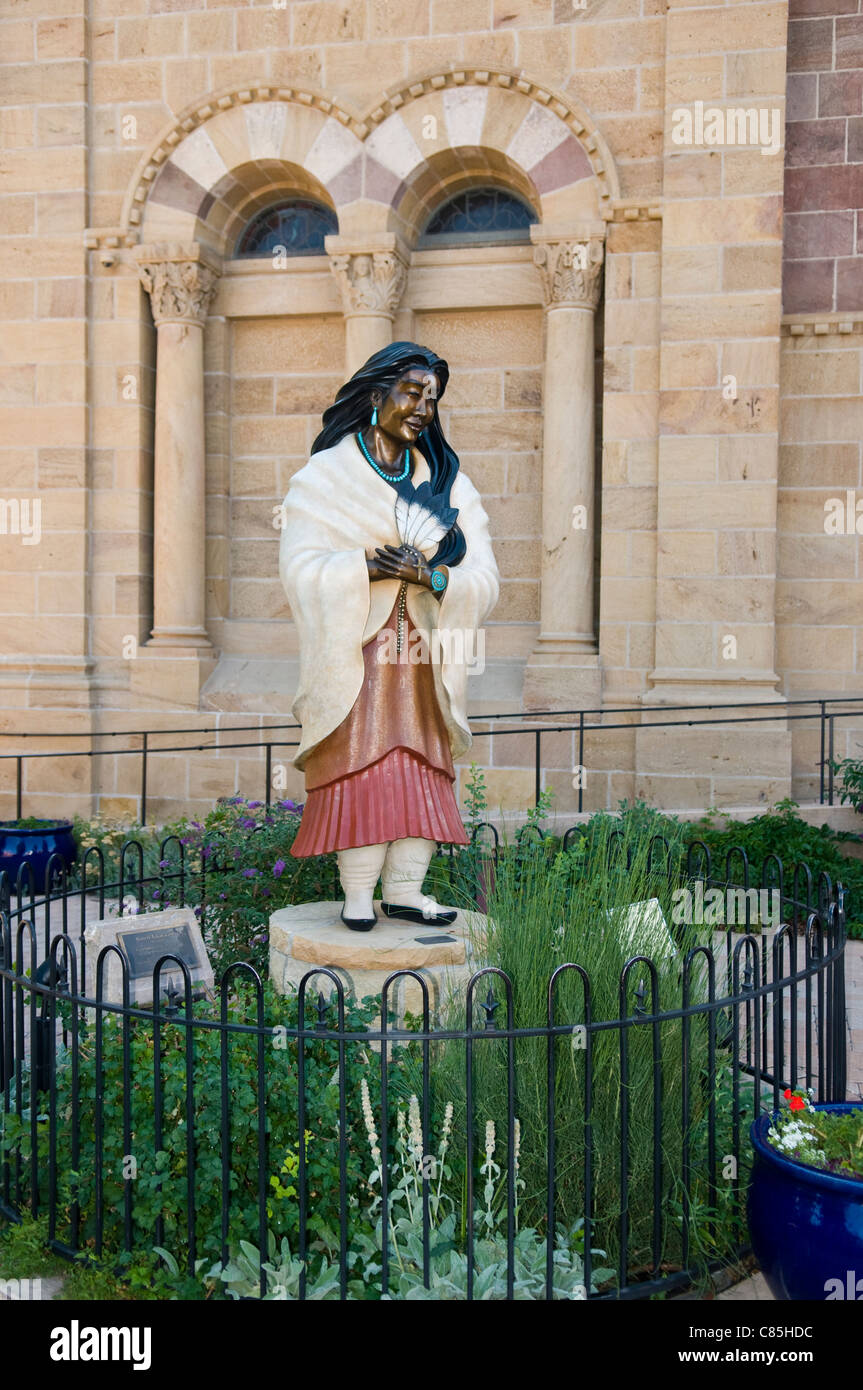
298 225
479 214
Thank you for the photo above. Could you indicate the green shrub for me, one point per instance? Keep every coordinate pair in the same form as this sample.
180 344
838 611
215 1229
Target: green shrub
781 831
549 907
159 1170
402 1227
250 873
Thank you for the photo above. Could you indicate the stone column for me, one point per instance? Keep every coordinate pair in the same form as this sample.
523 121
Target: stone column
563 669
372 281
180 281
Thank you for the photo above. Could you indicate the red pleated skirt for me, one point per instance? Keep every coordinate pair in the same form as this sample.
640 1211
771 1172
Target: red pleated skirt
386 772
398 796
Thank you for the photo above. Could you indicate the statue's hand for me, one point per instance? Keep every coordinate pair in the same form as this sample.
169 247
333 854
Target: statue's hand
397 562
376 569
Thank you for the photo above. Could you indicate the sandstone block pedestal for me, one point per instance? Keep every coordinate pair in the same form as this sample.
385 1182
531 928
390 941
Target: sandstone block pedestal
171 677
557 678
312 934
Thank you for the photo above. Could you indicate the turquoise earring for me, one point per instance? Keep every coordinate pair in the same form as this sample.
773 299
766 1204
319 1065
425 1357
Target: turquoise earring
375 416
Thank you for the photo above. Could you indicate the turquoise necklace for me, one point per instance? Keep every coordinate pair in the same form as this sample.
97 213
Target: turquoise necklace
389 477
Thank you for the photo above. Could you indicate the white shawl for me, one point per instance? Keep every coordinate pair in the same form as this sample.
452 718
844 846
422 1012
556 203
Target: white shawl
337 511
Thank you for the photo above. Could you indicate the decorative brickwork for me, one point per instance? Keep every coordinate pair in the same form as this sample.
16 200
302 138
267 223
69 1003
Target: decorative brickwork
823 243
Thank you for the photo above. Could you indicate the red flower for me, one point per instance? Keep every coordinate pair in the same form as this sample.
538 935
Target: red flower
787 1093
797 1104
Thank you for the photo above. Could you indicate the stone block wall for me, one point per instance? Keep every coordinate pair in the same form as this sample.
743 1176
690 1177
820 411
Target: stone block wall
819 591
491 413
281 379
43 353
710 510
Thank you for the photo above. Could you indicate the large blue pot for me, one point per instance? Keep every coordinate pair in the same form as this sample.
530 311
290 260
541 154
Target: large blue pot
806 1226
35 847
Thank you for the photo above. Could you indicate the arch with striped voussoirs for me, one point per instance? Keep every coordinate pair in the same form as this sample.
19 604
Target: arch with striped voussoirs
237 152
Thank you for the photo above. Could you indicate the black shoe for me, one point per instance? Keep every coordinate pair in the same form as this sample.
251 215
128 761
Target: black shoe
359 923
413 914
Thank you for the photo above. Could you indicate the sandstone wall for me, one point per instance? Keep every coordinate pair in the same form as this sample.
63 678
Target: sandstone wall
709 516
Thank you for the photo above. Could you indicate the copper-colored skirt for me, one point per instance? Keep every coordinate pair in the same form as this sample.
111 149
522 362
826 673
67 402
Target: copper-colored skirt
386 772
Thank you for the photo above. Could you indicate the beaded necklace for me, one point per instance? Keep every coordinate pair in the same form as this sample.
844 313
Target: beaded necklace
392 478
389 477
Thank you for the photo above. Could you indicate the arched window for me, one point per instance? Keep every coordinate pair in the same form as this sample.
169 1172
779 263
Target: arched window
479 215
297 224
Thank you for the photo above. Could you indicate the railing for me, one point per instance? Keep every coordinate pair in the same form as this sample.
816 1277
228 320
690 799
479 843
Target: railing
580 722
112 1114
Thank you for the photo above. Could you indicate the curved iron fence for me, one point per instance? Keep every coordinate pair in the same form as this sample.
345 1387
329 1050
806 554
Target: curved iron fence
182 1125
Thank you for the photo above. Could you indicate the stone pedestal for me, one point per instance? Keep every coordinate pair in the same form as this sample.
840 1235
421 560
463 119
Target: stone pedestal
163 678
312 935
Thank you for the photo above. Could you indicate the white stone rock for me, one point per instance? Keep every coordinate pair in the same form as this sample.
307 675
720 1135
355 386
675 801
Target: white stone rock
312 935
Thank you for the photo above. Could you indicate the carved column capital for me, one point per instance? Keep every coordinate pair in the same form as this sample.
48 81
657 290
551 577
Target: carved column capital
571 270
371 278
180 280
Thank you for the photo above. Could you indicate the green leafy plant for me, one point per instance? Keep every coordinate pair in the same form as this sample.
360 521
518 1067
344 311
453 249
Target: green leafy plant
31 823
781 831
850 774
829 1140
244 847
402 1227
550 907
159 1165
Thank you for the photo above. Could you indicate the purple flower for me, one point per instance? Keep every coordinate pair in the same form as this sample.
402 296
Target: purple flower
250 873
206 851
197 911
252 805
223 896
248 823
197 824
289 805
278 868
164 863
267 893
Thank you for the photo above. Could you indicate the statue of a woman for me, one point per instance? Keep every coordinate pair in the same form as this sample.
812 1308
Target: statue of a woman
388 567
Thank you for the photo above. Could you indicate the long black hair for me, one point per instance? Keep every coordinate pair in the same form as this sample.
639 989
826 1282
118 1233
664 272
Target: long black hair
351 412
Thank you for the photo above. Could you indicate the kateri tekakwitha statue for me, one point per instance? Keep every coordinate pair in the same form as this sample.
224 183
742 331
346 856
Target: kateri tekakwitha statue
388 567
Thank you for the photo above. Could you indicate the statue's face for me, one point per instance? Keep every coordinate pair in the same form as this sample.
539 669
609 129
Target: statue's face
409 407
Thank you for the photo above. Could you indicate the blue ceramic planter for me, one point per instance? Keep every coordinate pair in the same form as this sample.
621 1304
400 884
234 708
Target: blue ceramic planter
806 1226
35 847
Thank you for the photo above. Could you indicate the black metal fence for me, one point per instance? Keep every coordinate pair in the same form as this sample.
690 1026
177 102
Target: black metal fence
193 1125
145 744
